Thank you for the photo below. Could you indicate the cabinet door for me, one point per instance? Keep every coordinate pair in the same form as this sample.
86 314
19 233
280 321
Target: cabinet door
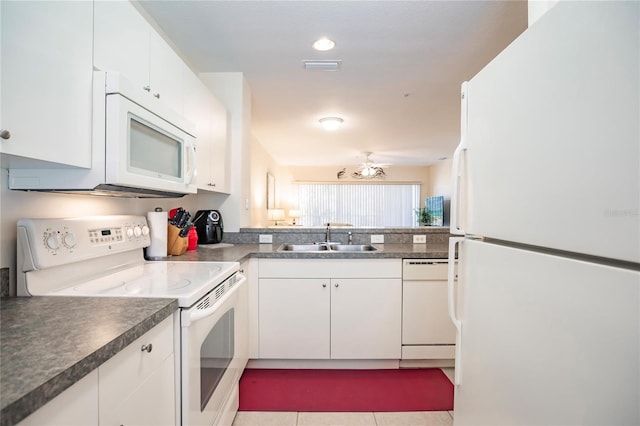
219 147
196 110
121 40
152 403
46 80
137 386
366 318
210 118
76 406
166 71
294 318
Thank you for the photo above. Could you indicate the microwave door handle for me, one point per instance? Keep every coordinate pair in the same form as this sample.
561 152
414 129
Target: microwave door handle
191 163
198 314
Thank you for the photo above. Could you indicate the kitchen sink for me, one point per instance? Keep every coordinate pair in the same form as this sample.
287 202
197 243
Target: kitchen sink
352 247
303 247
326 248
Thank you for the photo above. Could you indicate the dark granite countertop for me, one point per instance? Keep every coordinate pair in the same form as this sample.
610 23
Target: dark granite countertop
240 252
49 343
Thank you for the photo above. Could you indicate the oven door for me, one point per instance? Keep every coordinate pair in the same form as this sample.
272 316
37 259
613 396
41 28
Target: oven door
215 349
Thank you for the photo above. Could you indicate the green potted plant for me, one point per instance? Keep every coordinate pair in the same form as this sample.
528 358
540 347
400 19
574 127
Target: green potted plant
423 216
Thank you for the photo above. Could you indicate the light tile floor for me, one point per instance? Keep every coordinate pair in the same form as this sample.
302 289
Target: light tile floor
411 418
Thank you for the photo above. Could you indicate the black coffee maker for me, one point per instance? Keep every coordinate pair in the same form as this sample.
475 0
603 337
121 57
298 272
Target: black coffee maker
209 226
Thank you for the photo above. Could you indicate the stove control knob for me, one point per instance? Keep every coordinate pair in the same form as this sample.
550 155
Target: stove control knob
137 231
145 230
69 240
129 232
52 241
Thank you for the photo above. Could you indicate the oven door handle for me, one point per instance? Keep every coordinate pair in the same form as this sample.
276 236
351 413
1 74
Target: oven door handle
198 314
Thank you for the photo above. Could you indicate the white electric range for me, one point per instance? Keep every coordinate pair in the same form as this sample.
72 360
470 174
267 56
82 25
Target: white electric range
102 256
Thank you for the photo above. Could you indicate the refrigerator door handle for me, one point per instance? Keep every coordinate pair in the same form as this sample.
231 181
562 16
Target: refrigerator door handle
451 276
462 146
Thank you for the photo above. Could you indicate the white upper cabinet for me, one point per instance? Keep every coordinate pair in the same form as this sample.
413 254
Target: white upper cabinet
121 40
125 42
210 117
219 172
166 72
46 60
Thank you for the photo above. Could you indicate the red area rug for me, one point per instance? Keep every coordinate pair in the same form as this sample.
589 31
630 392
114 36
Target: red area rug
345 390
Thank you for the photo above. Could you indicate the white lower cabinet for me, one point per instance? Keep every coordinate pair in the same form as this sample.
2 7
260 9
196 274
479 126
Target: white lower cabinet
330 309
137 386
76 406
366 318
294 318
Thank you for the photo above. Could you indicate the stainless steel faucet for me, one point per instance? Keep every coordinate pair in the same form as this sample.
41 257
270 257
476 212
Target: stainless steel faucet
328 234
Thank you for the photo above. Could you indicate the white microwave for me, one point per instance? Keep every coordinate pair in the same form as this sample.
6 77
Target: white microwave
140 148
147 144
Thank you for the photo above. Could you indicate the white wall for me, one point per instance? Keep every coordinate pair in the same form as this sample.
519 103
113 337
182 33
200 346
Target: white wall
440 179
261 163
15 205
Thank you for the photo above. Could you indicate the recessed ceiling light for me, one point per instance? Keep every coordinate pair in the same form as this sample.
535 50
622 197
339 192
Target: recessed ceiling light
324 44
331 123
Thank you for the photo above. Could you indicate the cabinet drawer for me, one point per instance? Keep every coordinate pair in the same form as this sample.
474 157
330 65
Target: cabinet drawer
124 373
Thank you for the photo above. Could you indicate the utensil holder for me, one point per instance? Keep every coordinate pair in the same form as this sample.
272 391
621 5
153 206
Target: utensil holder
176 245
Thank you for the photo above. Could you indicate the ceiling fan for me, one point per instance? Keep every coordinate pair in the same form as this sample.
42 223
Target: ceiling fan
366 170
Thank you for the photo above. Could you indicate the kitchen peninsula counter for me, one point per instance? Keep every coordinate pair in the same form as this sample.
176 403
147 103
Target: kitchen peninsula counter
49 343
240 252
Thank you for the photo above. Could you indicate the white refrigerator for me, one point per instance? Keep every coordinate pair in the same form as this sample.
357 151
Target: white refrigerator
546 203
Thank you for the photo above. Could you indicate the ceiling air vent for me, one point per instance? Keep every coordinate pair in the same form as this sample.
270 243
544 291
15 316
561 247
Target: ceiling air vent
322 65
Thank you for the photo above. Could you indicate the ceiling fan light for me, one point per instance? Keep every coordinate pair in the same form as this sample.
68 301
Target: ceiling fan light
323 44
331 123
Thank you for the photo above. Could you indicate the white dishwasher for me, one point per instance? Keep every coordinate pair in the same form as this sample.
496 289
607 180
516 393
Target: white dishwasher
427 330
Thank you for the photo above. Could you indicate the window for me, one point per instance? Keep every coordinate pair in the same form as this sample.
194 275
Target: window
374 205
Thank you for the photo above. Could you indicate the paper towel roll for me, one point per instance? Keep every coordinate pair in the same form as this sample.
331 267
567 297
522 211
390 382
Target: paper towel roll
158 232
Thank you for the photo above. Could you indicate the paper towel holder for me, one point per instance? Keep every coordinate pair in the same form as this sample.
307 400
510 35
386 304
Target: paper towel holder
158 224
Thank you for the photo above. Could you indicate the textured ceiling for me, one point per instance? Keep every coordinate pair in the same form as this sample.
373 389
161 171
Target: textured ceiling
402 63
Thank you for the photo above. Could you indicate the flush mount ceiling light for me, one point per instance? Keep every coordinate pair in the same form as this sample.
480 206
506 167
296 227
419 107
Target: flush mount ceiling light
323 44
331 123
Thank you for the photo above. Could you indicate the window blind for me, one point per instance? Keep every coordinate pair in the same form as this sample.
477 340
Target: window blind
365 205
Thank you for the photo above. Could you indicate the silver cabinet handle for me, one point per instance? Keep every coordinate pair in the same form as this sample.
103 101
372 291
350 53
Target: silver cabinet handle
5 134
157 95
147 348
147 88
324 285
337 285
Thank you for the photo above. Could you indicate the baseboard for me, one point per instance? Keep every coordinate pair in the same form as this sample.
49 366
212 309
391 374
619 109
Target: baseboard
337 364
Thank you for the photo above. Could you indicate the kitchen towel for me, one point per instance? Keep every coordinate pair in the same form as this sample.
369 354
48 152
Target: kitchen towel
158 231
419 389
